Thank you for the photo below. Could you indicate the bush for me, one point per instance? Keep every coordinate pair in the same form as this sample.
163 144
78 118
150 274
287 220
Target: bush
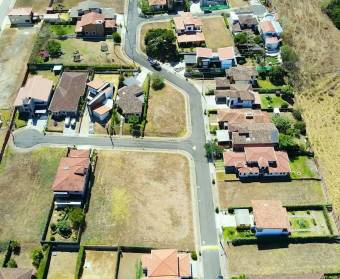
157 82
284 105
37 255
287 142
64 228
297 113
241 38
42 269
300 126
77 217
276 75
186 5
116 37
54 48
80 262
53 227
333 11
15 245
12 263
289 57
160 44
194 255
283 124
213 150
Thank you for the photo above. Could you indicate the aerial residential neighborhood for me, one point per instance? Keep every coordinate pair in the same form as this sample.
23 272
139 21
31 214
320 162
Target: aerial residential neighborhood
169 139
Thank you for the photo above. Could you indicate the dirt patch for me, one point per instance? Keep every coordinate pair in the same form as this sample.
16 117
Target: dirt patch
238 3
25 192
216 33
141 199
166 113
127 266
24 259
16 45
99 264
39 6
295 259
290 193
117 5
62 266
146 27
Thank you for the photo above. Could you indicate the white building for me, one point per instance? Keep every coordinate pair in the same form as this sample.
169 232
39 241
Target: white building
21 16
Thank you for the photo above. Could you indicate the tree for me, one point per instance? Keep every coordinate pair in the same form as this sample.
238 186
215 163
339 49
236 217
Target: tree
115 120
12 263
116 37
289 57
134 125
15 245
276 75
333 11
160 44
283 124
287 92
213 150
287 142
144 6
37 255
241 38
64 228
54 48
284 105
186 5
258 39
77 217
157 82
300 126
297 113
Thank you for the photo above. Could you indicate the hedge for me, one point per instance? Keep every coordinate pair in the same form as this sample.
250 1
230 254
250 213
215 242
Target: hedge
44 264
328 221
80 262
8 254
146 89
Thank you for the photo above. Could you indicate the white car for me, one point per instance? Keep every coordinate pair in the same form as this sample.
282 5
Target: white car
67 122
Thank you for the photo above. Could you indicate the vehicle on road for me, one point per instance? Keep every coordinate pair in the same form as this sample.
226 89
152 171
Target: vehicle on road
154 63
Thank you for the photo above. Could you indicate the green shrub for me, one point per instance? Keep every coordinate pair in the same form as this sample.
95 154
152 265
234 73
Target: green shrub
157 82
300 126
53 227
64 228
41 272
80 262
12 263
54 48
15 245
282 123
284 105
194 255
77 217
297 113
37 255
116 37
333 11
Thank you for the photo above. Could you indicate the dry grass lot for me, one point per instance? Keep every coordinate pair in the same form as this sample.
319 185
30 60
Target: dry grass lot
216 33
317 42
47 74
141 199
90 53
238 3
25 192
38 6
166 113
16 45
297 259
99 265
146 27
117 5
24 259
290 193
127 266
62 266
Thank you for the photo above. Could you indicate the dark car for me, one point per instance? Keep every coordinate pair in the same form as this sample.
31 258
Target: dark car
154 63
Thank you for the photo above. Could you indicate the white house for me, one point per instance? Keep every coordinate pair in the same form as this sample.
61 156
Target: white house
21 16
52 18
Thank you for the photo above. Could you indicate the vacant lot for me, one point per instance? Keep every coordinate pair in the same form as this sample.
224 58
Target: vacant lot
117 5
39 6
90 53
297 259
290 193
238 3
146 27
166 113
128 265
141 199
16 45
24 259
99 264
62 266
216 33
25 192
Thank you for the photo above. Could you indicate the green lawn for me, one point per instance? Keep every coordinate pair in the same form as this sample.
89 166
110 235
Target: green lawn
303 167
271 61
267 84
301 223
231 233
271 100
62 29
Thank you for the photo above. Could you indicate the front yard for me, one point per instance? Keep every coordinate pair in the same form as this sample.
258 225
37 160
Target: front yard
99 264
238 194
141 199
216 33
166 115
25 192
303 167
294 259
146 27
128 265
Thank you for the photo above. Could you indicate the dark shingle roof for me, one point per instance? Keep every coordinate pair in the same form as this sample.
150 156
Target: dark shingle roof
129 99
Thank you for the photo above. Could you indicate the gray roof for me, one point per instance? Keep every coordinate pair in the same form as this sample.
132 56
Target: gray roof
222 83
108 13
190 59
259 10
130 99
243 95
247 19
242 217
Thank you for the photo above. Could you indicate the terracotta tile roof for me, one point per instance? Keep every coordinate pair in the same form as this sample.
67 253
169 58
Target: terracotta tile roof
204 52
282 163
157 2
226 53
91 18
166 263
186 19
71 172
20 11
233 116
260 154
241 73
36 87
79 153
110 23
96 83
267 26
187 38
270 214
222 83
234 159
15 273
68 92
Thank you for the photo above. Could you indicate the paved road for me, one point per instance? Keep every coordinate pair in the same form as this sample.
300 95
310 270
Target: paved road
5 6
193 145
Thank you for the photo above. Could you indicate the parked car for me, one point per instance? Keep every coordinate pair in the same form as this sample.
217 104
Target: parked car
73 123
154 63
67 122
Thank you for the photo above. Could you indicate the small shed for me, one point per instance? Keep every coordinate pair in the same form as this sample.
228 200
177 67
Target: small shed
277 111
242 217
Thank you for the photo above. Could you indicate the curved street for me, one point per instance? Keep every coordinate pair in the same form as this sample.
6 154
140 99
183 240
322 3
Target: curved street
194 145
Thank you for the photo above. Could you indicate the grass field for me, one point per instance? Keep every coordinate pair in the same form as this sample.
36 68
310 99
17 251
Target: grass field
39 6
99 264
295 259
216 33
274 101
25 192
290 193
166 113
62 266
267 84
127 266
303 167
90 53
317 42
146 27
136 202
117 5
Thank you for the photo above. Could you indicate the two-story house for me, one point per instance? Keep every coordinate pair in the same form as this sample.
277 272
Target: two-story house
243 23
130 101
271 32
88 6
189 30
242 75
223 59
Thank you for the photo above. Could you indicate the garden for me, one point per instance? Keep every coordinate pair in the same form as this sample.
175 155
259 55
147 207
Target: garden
302 167
232 233
273 101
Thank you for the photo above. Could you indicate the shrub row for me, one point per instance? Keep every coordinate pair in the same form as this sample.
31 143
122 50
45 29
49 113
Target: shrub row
268 90
8 254
44 263
289 208
80 262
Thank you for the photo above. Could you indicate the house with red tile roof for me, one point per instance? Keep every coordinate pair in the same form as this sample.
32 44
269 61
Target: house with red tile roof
70 182
166 263
223 59
158 4
270 218
189 30
227 117
271 32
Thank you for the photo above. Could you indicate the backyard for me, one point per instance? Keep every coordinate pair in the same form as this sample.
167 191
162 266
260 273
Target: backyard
62 265
128 265
135 202
146 27
99 264
166 113
47 74
302 192
303 167
271 101
216 33
38 6
25 192
24 259
267 84
16 45
295 259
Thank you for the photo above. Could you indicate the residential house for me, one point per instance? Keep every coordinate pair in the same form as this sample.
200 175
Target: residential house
227 117
189 30
71 180
166 263
130 101
91 6
257 10
21 16
242 74
16 273
70 89
99 98
94 24
271 32
270 218
223 59
243 23
158 5
34 97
